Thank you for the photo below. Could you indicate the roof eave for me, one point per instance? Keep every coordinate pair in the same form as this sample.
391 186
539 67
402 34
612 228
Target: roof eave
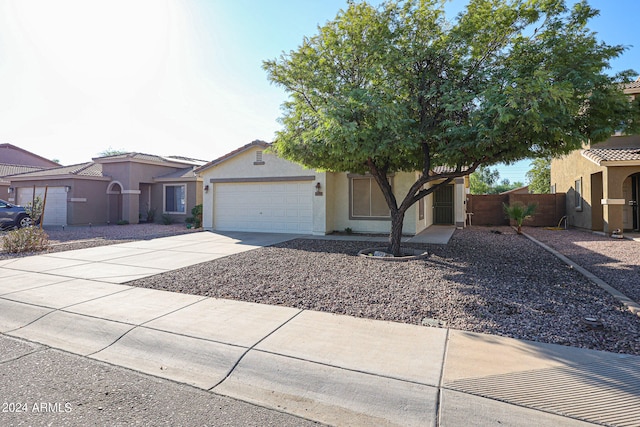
51 177
619 163
231 155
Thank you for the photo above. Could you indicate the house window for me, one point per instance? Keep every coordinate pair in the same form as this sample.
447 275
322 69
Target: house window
175 199
367 200
578 194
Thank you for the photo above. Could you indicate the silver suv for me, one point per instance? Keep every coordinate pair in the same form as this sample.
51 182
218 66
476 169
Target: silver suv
13 216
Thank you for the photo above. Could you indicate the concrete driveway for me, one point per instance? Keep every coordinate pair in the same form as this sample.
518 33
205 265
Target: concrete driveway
124 262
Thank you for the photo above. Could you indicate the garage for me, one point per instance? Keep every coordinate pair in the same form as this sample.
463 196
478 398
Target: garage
274 207
56 207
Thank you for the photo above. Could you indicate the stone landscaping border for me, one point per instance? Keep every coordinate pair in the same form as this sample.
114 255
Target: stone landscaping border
409 254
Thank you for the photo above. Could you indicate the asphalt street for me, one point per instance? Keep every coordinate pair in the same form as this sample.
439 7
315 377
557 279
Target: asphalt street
41 386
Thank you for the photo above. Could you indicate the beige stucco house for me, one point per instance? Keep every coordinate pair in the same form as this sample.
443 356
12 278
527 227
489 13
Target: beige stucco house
109 189
602 182
252 189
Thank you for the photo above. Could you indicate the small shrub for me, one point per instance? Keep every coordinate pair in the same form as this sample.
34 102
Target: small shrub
28 239
190 220
348 230
196 211
151 215
167 219
122 222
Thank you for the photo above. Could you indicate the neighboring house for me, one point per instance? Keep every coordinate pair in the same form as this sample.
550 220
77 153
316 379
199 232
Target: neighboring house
17 160
519 190
602 182
114 188
252 189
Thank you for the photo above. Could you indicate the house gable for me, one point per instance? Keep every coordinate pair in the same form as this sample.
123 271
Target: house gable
10 154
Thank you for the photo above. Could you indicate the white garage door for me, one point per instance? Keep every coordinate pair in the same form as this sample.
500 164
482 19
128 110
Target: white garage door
55 211
278 207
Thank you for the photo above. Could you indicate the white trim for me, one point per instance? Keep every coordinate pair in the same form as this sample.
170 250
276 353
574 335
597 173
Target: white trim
110 187
78 199
613 201
164 198
130 192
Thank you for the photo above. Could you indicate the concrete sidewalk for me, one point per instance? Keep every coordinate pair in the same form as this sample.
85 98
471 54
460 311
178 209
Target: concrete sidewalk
334 369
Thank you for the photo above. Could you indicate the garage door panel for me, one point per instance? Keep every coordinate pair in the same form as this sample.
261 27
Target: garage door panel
266 206
55 211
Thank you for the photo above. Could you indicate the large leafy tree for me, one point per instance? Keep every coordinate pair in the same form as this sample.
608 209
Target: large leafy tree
539 176
483 179
399 88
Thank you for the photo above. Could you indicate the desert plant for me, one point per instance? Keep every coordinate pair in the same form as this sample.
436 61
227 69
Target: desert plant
519 212
348 230
34 209
26 239
122 222
167 219
196 211
151 214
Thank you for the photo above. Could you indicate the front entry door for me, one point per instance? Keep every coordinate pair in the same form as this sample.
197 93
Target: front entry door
443 205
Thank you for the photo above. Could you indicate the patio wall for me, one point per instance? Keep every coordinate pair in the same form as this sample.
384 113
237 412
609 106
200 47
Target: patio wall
488 209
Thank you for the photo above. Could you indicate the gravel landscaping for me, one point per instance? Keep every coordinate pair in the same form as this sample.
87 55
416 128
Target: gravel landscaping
616 261
486 280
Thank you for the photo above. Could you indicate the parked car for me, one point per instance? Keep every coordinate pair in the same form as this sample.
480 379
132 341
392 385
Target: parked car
13 216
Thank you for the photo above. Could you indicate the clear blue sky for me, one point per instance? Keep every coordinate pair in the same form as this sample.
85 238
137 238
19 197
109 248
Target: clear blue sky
173 76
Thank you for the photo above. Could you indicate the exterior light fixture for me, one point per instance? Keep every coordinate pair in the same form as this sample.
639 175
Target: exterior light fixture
67 188
206 188
10 190
318 189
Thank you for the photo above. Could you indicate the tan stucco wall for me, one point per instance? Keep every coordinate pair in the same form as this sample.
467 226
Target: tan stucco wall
331 209
564 173
339 200
566 170
241 166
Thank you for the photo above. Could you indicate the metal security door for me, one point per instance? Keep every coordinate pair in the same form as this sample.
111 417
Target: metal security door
443 205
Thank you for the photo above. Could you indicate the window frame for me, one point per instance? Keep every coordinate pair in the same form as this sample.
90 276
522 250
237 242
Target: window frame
369 217
164 199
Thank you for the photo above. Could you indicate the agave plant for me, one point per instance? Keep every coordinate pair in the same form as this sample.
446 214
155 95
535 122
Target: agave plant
519 212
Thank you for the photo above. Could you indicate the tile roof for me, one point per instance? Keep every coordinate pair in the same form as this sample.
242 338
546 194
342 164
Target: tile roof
445 169
600 155
7 169
633 87
186 173
82 169
150 158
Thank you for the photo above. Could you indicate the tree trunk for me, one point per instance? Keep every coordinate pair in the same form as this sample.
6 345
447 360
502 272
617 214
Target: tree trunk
395 238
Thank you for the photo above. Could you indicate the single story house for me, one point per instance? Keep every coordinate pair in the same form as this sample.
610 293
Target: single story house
122 187
252 189
602 181
17 160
